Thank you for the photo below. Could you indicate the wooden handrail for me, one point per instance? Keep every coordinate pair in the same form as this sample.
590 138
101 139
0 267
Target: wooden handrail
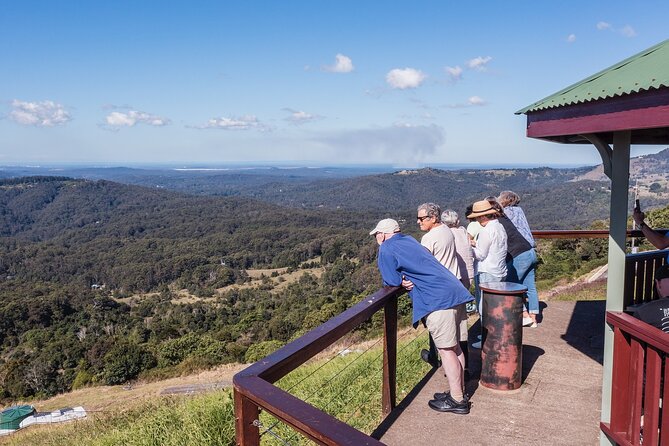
639 351
587 233
254 388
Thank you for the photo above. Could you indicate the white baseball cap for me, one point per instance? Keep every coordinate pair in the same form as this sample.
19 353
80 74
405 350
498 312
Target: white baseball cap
386 226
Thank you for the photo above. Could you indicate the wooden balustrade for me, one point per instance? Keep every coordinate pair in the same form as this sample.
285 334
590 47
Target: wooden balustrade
639 276
254 387
638 390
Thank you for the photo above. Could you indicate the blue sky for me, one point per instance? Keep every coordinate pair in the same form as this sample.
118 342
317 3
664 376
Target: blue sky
310 82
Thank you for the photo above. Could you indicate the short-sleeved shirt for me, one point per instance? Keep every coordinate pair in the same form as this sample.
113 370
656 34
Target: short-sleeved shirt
435 287
655 313
441 243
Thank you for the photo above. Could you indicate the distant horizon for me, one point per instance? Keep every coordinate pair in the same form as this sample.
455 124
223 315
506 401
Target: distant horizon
284 165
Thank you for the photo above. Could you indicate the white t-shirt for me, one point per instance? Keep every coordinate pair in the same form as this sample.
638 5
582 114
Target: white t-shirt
441 243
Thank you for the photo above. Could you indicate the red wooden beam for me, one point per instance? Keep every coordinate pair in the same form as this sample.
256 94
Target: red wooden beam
648 118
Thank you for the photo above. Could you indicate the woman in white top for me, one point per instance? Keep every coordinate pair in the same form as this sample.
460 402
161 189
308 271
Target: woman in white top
490 247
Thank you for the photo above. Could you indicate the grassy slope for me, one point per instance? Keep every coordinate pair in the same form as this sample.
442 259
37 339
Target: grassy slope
340 385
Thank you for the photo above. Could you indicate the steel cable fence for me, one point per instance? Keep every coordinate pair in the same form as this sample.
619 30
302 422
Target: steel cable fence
344 391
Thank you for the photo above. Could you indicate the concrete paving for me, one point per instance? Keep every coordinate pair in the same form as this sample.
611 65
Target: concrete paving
559 401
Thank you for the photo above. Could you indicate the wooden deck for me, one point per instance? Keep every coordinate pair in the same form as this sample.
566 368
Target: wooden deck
558 403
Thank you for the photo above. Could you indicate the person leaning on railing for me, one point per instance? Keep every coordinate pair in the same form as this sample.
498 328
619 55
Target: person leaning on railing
437 299
658 239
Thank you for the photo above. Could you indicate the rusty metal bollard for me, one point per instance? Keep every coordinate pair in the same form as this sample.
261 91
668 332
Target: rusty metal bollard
502 335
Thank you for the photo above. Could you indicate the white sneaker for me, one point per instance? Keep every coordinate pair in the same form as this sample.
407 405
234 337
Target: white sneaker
527 321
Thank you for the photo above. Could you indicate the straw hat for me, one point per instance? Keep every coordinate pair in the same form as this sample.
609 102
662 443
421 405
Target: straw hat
482 207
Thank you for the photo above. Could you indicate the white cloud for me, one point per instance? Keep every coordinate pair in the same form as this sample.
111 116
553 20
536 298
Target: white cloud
298 117
343 64
571 38
405 78
454 73
479 63
39 114
473 101
627 31
247 122
401 142
130 118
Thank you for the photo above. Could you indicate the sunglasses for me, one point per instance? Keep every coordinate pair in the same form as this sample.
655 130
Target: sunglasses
420 219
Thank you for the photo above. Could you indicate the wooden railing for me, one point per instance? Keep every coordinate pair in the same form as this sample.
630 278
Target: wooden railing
639 353
638 390
254 387
639 276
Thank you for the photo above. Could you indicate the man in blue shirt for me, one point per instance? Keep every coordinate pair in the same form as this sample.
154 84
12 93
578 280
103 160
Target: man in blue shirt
436 296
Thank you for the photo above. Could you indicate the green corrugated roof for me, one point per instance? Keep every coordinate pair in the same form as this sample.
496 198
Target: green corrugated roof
643 71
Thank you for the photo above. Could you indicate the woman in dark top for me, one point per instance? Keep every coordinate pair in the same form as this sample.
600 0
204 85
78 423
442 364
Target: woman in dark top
521 263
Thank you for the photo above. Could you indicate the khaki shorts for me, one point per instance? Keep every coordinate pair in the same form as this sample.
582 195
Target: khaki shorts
448 327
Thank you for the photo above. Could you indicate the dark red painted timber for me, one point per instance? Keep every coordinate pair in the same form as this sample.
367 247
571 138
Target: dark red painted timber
639 351
246 412
502 337
303 417
635 101
255 383
592 233
388 400
649 118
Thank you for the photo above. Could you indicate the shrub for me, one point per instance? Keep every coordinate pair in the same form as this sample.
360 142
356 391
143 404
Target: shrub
258 351
82 379
124 362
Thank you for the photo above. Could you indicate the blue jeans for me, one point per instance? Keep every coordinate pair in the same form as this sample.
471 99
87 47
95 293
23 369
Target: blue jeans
521 270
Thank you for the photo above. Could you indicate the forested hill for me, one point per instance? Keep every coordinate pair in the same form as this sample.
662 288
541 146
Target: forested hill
551 197
134 238
73 252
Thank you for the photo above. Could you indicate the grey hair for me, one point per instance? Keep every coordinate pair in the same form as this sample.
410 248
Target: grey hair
432 210
450 218
508 198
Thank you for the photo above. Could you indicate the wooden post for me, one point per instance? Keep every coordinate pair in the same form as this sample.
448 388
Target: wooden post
615 284
389 356
621 395
246 412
